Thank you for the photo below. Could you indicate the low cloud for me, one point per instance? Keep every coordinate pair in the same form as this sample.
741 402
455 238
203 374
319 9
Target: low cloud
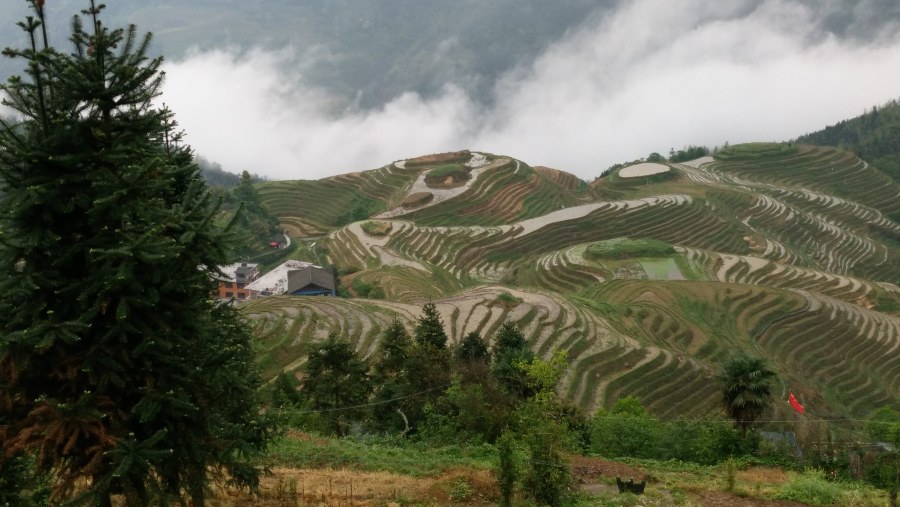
647 77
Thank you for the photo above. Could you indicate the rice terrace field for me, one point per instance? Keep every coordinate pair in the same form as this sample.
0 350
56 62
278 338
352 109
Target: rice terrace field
648 280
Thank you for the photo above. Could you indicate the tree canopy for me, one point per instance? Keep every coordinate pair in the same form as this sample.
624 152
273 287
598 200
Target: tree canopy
336 381
747 384
118 372
430 329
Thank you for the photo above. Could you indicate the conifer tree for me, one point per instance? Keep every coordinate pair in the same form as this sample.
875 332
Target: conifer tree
509 350
336 382
426 372
393 351
430 329
472 348
117 370
392 385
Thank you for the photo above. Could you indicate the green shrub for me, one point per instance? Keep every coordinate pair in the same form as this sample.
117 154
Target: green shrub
368 290
375 228
810 487
507 299
363 208
730 473
626 430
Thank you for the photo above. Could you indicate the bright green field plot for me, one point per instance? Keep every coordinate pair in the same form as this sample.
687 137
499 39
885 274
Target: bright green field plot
624 248
661 269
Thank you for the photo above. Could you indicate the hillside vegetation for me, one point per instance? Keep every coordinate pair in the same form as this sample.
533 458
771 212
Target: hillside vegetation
789 251
874 136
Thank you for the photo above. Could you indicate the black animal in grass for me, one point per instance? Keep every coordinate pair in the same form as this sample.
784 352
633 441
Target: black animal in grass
630 486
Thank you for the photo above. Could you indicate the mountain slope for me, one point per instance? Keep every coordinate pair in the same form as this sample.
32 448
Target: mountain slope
874 136
787 251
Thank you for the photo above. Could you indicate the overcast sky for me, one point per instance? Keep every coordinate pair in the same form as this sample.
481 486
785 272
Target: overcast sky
647 76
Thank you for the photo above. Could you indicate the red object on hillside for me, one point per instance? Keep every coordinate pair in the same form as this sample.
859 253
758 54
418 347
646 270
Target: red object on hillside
796 404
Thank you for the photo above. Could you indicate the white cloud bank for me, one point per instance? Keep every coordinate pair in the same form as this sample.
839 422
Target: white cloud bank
652 75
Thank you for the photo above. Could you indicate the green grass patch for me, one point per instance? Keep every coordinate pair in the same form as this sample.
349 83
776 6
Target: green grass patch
811 488
690 270
888 303
440 173
624 248
661 269
378 455
367 289
507 300
753 151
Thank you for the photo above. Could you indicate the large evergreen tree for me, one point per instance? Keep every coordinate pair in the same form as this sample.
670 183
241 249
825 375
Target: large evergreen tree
430 328
115 364
336 382
472 348
393 351
393 386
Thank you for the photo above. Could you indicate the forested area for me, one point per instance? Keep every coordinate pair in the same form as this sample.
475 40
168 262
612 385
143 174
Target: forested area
874 136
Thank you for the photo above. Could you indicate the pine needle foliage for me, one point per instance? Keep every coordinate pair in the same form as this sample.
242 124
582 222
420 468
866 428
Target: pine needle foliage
430 328
118 373
335 381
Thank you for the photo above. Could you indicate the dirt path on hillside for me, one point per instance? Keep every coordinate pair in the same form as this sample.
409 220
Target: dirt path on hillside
478 165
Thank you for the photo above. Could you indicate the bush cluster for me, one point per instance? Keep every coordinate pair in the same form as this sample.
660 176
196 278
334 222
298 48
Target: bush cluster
628 430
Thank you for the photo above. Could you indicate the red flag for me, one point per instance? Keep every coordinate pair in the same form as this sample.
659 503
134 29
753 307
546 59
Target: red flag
796 404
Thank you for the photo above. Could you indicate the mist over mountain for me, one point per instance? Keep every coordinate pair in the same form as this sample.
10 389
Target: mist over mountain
364 51
307 89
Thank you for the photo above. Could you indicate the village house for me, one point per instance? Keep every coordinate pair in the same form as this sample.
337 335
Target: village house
234 281
310 281
297 278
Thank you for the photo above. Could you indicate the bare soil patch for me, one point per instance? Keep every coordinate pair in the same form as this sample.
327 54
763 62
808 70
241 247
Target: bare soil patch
417 199
644 169
764 475
587 469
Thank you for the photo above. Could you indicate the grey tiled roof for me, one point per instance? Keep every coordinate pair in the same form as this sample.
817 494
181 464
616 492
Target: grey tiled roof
300 278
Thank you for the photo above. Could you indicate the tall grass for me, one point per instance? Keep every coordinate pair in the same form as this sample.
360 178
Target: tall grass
378 454
810 487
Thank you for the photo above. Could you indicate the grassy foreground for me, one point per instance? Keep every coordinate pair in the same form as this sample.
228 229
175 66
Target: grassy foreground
312 470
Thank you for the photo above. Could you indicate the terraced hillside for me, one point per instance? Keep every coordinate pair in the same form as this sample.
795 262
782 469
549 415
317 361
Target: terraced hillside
786 251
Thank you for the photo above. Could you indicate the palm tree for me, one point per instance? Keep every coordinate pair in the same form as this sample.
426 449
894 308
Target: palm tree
747 383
